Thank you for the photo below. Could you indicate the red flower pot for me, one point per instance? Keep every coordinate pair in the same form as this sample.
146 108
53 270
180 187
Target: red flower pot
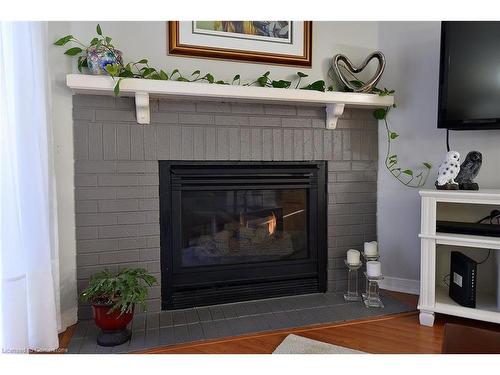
113 325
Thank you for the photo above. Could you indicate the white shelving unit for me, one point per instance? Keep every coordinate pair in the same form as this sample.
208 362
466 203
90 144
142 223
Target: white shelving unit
434 297
142 89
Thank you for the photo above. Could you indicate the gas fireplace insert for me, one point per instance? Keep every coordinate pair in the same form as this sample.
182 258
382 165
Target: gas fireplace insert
234 231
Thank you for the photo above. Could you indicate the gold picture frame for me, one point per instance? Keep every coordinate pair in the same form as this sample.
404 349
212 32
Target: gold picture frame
176 46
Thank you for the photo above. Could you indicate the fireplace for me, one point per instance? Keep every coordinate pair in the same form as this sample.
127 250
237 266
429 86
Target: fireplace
234 231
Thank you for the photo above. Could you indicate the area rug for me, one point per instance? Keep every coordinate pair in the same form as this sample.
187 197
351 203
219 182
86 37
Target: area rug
293 344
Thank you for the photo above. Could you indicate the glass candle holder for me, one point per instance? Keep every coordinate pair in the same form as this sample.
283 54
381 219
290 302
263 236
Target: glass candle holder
352 293
369 258
371 297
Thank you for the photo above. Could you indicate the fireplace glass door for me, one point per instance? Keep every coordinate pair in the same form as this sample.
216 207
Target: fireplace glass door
243 226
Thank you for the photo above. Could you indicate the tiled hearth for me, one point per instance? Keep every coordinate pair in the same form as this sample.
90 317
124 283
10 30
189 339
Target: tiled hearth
116 172
204 323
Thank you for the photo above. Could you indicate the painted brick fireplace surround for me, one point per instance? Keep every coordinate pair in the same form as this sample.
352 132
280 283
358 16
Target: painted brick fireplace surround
116 172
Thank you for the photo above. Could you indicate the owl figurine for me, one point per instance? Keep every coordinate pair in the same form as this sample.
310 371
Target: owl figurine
469 170
448 171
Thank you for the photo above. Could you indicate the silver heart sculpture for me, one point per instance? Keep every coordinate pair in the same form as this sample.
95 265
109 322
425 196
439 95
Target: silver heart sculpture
368 86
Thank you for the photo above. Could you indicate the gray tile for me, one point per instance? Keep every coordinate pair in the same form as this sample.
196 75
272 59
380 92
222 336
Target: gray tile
334 298
285 321
251 308
152 321
223 328
181 334
167 336
81 328
228 311
152 338
75 345
178 317
104 349
240 309
196 332
204 314
191 316
216 312
137 341
209 329
139 322
123 348
89 345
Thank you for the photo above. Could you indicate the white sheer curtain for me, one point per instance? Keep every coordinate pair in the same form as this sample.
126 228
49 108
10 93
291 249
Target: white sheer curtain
30 315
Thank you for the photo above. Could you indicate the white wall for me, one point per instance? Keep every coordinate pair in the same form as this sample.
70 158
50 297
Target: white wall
412 52
139 40
149 40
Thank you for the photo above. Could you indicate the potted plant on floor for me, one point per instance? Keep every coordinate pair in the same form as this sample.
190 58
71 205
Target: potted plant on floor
113 297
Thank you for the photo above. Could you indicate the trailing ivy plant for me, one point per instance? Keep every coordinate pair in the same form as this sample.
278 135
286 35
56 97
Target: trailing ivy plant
408 177
142 69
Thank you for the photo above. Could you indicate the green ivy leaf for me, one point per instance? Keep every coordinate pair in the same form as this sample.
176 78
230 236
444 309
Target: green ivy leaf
113 69
73 51
80 62
126 73
281 84
427 165
108 39
94 41
98 29
394 135
357 82
409 172
182 79
266 74
174 72
220 82
380 113
116 90
196 72
302 75
142 61
63 40
316 86
393 156
262 81
163 75
209 78
146 72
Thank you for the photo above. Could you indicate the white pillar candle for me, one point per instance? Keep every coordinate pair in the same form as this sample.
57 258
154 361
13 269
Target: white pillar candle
371 249
373 268
353 257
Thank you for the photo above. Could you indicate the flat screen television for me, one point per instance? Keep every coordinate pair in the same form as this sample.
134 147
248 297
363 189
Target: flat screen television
469 81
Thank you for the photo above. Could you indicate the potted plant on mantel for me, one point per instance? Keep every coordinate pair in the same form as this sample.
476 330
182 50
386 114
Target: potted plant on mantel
113 297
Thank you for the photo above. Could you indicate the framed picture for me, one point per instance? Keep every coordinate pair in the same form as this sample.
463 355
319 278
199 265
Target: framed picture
272 42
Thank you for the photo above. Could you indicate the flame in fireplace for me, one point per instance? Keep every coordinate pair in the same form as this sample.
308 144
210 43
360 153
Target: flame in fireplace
271 223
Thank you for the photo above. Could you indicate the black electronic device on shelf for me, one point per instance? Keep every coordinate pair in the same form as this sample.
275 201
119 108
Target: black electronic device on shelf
475 229
463 279
488 226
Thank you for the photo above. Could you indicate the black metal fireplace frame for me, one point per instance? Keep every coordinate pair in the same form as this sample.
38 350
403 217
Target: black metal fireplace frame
201 286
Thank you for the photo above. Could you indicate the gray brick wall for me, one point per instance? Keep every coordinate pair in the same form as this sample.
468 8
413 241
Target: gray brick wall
116 172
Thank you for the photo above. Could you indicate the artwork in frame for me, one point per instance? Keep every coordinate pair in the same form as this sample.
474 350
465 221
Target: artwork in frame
272 42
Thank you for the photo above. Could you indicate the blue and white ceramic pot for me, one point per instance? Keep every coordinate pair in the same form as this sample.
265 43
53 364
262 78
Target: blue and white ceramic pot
98 58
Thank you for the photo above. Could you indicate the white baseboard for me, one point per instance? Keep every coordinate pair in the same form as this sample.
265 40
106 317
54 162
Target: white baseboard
397 284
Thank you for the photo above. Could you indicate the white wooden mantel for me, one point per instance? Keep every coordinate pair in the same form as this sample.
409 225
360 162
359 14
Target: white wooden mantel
144 89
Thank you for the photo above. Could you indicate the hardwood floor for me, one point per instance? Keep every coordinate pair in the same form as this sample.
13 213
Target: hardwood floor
400 333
